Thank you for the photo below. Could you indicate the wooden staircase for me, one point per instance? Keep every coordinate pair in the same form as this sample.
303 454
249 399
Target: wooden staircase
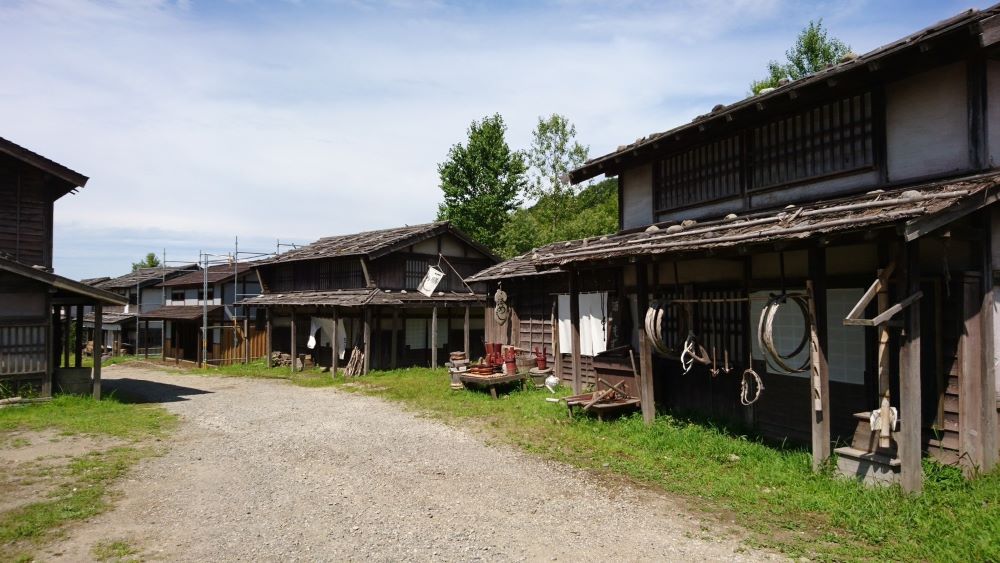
865 460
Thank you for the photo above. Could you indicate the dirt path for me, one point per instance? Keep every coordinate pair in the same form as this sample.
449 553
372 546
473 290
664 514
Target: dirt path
264 470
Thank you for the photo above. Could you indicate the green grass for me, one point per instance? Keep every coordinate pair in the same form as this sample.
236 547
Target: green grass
84 491
771 491
113 550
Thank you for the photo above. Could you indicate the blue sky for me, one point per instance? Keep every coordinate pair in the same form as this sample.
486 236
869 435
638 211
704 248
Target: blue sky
199 121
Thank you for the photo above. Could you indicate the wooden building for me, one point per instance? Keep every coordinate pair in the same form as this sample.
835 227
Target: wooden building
362 288
868 190
233 332
36 305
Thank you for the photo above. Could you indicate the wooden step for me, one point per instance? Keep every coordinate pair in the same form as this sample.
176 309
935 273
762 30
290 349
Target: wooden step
871 468
866 440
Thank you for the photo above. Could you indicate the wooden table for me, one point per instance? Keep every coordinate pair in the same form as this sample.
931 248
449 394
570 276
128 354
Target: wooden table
491 382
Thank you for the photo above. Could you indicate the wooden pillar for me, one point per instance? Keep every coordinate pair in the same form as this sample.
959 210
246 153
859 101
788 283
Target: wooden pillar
294 344
199 354
367 339
908 437
819 370
268 346
98 348
146 340
334 342
988 384
574 318
81 341
434 336
645 383
556 343
394 340
465 335
970 399
68 311
246 340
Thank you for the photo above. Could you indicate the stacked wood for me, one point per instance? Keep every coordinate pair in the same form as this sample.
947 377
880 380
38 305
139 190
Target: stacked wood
613 392
13 401
279 359
356 364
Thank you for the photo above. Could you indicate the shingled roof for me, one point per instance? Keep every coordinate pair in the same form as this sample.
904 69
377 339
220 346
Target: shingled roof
216 274
918 209
979 26
144 277
72 178
373 244
361 297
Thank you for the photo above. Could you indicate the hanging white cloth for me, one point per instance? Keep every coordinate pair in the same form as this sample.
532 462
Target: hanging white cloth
324 327
593 325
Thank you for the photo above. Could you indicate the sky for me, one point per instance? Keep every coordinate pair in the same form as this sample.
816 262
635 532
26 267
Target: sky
202 121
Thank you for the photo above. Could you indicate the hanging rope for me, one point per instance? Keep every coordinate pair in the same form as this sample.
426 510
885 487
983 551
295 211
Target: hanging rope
765 332
655 326
500 310
745 386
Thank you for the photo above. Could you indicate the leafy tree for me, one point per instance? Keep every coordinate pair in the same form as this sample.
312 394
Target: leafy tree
814 50
554 152
482 181
150 261
591 212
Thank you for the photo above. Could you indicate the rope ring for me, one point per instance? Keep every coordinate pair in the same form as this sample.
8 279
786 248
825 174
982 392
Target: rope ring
765 332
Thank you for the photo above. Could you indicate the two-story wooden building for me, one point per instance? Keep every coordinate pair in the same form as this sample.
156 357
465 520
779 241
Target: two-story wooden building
37 306
361 290
233 334
866 193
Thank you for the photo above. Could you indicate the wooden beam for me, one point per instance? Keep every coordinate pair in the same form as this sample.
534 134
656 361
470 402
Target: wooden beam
269 348
334 343
68 311
246 340
294 345
574 319
465 334
908 437
146 339
989 31
819 369
434 337
98 348
81 342
367 339
394 340
368 278
645 383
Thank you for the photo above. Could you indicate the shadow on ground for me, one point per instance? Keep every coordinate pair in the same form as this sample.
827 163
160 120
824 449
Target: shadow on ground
142 391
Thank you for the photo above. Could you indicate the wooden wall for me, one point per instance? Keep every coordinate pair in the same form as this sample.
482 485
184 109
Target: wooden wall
26 221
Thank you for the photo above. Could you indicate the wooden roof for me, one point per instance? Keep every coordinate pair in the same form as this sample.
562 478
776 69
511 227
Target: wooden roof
374 244
918 209
183 313
216 274
145 277
980 26
362 297
72 178
65 288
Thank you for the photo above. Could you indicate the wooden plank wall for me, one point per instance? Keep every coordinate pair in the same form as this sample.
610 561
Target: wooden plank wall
22 348
227 352
26 224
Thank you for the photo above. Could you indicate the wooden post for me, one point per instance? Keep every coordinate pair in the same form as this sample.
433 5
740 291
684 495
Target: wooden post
334 342
908 437
81 342
146 339
988 385
819 370
970 399
367 339
246 340
556 343
66 326
646 389
394 340
98 348
199 354
465 335
434 337
294 345
267 337
574 314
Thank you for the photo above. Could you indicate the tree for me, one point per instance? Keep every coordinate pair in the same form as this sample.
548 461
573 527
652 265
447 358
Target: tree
482 181
813 51
553 154
150 261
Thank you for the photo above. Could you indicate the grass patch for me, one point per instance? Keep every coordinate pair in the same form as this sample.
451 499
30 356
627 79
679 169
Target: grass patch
113 550
771 491
84 491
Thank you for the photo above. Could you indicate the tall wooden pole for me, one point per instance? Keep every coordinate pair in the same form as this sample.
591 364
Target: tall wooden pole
647 396
394 339
908 437
367 339
819 370
267 336
98 348
574 318
989 390
294 344
465 335
434 336
334 343
80 340
68 312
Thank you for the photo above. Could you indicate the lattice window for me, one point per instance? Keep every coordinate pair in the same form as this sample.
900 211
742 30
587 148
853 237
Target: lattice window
706 173
416 269
22 349
347 274
831 138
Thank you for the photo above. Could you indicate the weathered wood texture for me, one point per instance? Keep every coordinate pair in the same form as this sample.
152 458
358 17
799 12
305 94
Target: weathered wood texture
26 223
908 438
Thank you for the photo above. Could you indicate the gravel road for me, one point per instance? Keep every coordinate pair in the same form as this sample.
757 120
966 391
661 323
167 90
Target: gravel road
264 470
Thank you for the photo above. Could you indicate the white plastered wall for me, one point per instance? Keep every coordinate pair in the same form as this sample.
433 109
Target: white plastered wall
637 196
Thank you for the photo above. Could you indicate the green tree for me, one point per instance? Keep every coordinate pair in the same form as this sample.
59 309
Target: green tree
813 51
150 261
482 181
553 154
